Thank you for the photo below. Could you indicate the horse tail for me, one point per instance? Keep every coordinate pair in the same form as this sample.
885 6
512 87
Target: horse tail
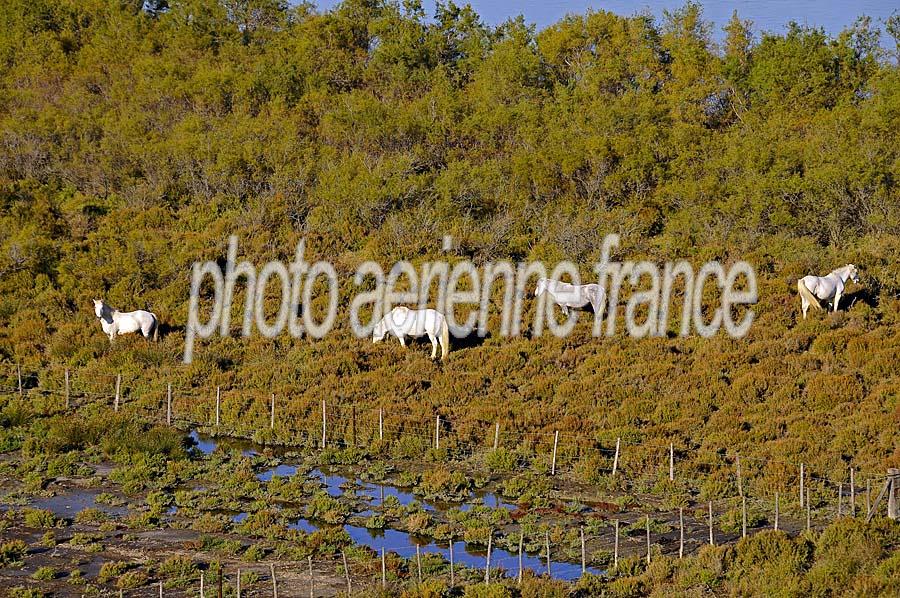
807 294
155 327
445 339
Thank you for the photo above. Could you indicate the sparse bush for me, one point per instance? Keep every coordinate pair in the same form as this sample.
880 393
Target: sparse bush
90 515
40 518
132 579
179 571
12 552
111 570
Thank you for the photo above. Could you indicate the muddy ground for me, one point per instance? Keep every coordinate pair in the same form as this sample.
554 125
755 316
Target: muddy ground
96 522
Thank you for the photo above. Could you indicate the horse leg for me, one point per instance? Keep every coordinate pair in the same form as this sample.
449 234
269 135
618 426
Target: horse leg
837 298
434 345
402 341
804 306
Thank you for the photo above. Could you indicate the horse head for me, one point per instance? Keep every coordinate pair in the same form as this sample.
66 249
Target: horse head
541 286
98 307
378 332
853 273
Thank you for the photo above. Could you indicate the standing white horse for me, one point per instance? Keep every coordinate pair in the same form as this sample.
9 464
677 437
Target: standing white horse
115 322
815 289
569 295
403 322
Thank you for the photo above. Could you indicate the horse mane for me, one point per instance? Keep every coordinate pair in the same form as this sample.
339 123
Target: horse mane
845 267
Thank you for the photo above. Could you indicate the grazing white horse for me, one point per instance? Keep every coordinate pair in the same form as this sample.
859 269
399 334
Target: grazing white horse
815 289
403 322
569 295
115 322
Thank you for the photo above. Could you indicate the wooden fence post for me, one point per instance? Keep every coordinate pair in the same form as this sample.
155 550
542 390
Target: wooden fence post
274 580
521 542
346 573
894 481
221 581
419 562
160 589
312 581
169 404
67 389
671 462
555 443
776 511
218 404
680 532
272 413
547 544
238 583
487 562
616 547
583 552
384 570
616 458
743 516
380 423
118 387
801 485
852 494
323 423
648 539
202 594
437 432
496 435
711 539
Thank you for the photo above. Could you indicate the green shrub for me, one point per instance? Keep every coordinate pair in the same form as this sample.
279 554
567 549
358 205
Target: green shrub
111 570
45 573
40 518
12 552
90 515
132 579
179 571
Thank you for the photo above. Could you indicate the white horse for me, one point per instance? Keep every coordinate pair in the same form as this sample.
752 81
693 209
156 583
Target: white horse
403 322
569 295
115 322
815 289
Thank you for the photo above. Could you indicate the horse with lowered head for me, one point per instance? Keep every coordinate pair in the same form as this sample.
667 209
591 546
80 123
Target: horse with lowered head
115 322
403 322
815 289
568 295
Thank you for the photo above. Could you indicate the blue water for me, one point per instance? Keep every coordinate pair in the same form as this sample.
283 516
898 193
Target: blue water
207 444
332 483
69 504
493 501
304 525
404 545
377 492
281 471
